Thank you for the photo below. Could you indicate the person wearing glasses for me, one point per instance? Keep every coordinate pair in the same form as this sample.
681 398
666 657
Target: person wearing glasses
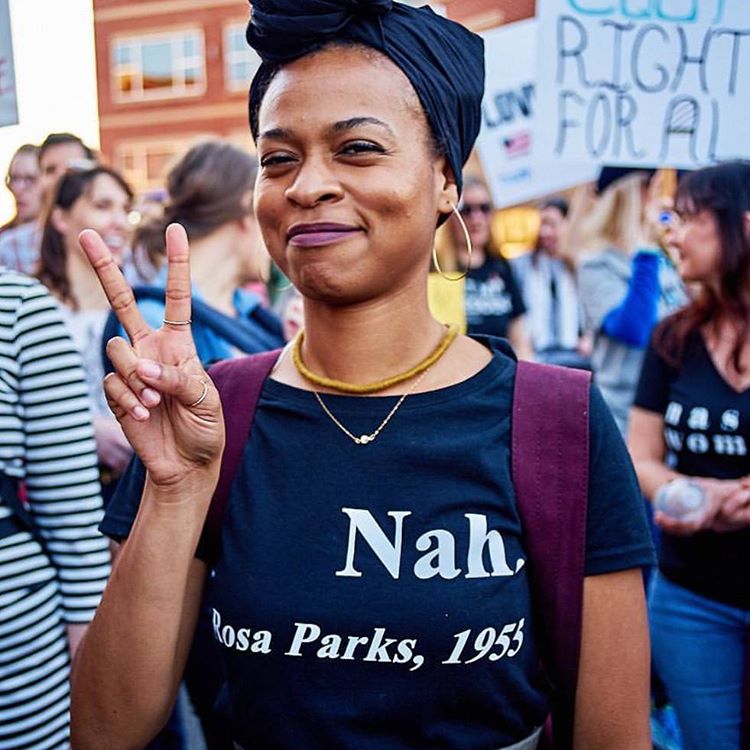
19 246
689 436
23 182
493 301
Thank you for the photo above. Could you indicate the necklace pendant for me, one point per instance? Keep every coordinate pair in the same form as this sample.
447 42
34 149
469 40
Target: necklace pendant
365 439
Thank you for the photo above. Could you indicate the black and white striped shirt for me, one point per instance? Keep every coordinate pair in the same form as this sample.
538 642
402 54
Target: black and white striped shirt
46 440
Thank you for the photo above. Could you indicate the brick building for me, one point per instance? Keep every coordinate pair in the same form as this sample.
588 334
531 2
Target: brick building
172 71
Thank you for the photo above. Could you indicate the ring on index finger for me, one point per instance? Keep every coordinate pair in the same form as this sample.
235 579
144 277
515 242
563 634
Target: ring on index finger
202 397
177 322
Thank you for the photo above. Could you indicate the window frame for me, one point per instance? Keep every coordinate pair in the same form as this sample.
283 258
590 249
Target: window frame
180 62
233 56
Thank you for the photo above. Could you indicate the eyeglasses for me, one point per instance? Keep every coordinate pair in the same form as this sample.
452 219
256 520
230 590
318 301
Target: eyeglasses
467 209
20 180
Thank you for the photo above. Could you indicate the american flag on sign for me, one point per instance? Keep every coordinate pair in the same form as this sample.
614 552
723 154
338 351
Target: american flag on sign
518 144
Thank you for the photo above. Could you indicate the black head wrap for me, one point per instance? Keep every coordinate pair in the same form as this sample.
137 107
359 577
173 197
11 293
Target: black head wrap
443 60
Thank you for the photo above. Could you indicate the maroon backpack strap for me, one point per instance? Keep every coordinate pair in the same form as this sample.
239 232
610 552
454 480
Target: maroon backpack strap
550 464
239 382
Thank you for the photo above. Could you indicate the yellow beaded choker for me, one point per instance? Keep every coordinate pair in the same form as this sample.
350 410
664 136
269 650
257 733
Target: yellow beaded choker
380 385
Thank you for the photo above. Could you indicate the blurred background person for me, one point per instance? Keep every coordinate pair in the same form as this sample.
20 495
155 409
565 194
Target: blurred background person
95 198
210 193
689 437
493 302
23 182
143 260
19 246
627 282
549 289
54 563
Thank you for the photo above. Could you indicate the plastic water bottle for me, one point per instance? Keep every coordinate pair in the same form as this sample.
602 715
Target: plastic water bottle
682 499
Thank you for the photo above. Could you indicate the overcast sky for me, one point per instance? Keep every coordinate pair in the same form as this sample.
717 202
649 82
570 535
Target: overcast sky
53 45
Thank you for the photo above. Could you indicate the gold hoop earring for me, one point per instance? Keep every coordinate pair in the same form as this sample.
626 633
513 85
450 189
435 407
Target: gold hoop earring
469 247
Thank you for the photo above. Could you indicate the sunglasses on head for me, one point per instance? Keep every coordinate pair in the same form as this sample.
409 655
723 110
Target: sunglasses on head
467 209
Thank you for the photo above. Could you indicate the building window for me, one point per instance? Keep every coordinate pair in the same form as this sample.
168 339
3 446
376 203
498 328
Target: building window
159 66
145 164
240 61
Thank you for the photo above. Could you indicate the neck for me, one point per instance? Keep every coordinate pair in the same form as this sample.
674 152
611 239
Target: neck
372 341
84 283
214 263
477 258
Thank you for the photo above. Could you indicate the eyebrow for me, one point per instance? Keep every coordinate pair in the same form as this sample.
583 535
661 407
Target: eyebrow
337 127
276 133
355 122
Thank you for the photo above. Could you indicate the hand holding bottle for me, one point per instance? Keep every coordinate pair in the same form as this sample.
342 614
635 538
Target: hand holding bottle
687 505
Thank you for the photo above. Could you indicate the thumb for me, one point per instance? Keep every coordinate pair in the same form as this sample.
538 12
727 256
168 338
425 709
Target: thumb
191 390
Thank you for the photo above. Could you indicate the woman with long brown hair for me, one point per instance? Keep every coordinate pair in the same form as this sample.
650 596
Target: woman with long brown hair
689 437
92 198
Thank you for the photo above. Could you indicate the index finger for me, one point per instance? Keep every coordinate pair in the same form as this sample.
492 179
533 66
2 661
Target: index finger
117 289
178 291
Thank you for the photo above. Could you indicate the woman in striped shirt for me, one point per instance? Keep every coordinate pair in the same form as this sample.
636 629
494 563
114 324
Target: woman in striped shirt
53 562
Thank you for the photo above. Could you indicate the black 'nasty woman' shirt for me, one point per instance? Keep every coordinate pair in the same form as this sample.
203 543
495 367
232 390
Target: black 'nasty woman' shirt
376 596
707 433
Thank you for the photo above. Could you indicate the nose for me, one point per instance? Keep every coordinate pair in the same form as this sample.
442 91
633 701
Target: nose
673 234
120 219
314 183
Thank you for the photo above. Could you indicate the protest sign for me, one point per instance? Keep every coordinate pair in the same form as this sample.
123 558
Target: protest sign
644 82
8 105
506 142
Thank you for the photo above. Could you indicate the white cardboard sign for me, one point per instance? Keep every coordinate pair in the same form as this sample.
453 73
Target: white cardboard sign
644 82
506 145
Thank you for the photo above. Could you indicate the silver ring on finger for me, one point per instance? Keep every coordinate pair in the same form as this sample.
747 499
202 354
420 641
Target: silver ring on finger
176 322
202 397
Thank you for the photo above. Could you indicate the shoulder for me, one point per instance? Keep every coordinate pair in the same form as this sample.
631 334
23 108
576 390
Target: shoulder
521 264
25 290
22 233
498 263
609 259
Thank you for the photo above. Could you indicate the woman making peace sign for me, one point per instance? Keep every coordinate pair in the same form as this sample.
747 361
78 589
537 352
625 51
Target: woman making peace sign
370 538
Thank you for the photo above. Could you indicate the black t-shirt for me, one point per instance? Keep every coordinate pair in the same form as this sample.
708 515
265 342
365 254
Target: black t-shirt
492 298
706 432
375 597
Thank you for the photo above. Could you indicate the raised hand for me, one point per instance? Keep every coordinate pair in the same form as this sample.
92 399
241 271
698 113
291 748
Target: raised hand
167 405
652 229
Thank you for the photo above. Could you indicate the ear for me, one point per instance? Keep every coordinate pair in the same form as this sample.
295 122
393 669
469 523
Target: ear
59 220
448 189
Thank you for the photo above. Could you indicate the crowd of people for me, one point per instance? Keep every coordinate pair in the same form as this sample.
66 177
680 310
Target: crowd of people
366 585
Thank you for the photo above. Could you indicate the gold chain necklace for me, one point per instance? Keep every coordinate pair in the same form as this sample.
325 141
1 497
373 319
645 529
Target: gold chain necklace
380 385
365 439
